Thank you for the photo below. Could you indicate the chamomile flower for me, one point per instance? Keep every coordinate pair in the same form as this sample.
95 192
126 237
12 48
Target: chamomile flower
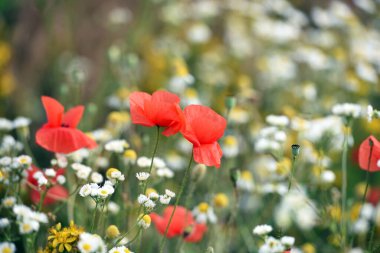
4 222
230 146
143 162
141 199
7 247
261 230
91 243
85 190
120 249
50 173
105 191
245 181
169 193
24 160
96 177
272 245
144 221
142 176
130 156
204 213
117 146
113 173
347 110
165 199
9 202
165 172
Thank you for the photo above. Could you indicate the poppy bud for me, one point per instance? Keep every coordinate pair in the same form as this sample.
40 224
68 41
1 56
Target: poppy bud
198 172
230 102
295 150
234 176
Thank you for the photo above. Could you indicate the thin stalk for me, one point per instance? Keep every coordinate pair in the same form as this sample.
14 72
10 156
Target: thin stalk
343 223
94 217
183 183
153 155
291 172
43 195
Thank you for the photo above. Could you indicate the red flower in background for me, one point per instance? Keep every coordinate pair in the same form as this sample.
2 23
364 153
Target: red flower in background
203 129
55 192
159 109
60 134
365 153
182 224
373 196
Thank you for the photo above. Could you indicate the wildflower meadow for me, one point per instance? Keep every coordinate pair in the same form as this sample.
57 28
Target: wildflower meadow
200 126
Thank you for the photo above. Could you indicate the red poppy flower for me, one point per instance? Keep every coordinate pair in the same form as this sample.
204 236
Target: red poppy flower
60 134
54 194
203 129
182 224
364 154
287 251
159 109
373 196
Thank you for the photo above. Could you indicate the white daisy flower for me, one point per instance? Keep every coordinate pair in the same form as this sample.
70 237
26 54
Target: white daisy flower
96 177
7 247
50 173
116 146
142 176
61 179
85 190
262 230
169 193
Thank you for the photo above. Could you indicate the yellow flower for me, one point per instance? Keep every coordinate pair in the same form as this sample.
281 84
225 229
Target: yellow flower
334 212
112 231
130 155
203 207
63 239
355 211
113 173
246 175
118 117
221 200
180 67
308 248
5 53
149 191
7 83
283 167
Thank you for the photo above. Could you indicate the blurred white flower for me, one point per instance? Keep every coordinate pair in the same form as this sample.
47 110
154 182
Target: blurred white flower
262 230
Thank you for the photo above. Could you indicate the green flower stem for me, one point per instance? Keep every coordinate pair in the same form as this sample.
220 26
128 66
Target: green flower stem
343 223
183 183
94 217
153 155
42 198
292 172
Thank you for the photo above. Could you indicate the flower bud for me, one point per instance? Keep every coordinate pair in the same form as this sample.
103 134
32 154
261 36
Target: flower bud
295 150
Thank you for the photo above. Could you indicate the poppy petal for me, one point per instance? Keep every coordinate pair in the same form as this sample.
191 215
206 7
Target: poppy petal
54 111
165 96
197 233
208 154
54 194
365 153
203 124
73 116
63 140
181 219
137 105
